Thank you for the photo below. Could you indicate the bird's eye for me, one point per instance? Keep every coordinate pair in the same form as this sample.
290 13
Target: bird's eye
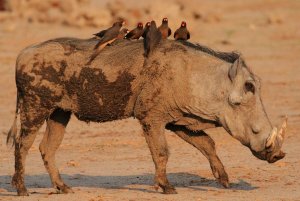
249 87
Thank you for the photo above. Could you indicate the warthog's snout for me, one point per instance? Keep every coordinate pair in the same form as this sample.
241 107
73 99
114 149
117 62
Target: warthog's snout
272 152
269 156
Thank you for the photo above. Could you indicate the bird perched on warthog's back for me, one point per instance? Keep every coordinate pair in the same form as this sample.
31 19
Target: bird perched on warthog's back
164 28
114 29
146 29
136 33
109 35
153 37
182 33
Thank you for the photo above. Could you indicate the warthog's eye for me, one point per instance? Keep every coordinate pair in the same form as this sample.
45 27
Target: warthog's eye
249 87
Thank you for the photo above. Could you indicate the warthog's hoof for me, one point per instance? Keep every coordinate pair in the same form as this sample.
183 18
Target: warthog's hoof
169 190
22 192
64 189
221 176
224 182
223 179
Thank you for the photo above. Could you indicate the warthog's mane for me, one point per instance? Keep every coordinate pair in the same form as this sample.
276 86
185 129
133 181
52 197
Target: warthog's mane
230 57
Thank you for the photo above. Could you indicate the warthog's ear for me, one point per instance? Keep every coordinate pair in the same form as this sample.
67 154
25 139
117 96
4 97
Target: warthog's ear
235 68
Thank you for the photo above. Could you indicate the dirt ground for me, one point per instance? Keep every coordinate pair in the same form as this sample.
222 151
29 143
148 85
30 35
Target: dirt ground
111 161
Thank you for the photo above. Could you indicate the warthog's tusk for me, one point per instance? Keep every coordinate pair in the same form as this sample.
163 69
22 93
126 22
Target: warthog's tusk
271 138
282 130
281 134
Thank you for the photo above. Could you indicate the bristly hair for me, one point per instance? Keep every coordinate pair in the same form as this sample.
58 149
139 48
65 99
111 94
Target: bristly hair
226 56
230 57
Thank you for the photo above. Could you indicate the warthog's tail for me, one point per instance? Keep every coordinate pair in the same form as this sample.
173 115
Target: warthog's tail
12 133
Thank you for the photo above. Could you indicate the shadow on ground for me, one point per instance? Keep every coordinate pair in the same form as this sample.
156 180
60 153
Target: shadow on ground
185 180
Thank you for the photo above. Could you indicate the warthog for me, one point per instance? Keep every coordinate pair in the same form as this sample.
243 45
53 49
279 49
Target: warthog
183 87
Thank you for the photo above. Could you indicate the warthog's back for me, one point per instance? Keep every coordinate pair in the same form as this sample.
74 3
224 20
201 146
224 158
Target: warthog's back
54 74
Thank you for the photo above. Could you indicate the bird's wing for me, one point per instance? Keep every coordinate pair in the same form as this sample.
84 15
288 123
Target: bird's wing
158 36
140 33
175 34
169 32
108 35
111 33
101 33
131 33
145 33
188 35
98 44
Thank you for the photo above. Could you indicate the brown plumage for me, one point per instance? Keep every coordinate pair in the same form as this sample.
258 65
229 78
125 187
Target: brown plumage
109 35
164 28
116 27
146 29
100 34
136 33
153 37
123 33
182 33
107 40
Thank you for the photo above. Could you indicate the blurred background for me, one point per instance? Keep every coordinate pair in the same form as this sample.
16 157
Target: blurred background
266 32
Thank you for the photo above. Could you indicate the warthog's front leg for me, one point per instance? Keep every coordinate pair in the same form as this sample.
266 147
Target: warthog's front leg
206 146
157 143
52 139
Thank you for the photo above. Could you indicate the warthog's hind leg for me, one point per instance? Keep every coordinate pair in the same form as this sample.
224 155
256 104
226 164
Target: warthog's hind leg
206 146
52 139
22 146
157 143
31 121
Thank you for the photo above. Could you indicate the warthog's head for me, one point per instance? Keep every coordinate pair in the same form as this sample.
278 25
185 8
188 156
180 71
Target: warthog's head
234 97
245 117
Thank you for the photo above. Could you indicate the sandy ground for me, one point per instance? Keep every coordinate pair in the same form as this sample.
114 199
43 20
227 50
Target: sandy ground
111 161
